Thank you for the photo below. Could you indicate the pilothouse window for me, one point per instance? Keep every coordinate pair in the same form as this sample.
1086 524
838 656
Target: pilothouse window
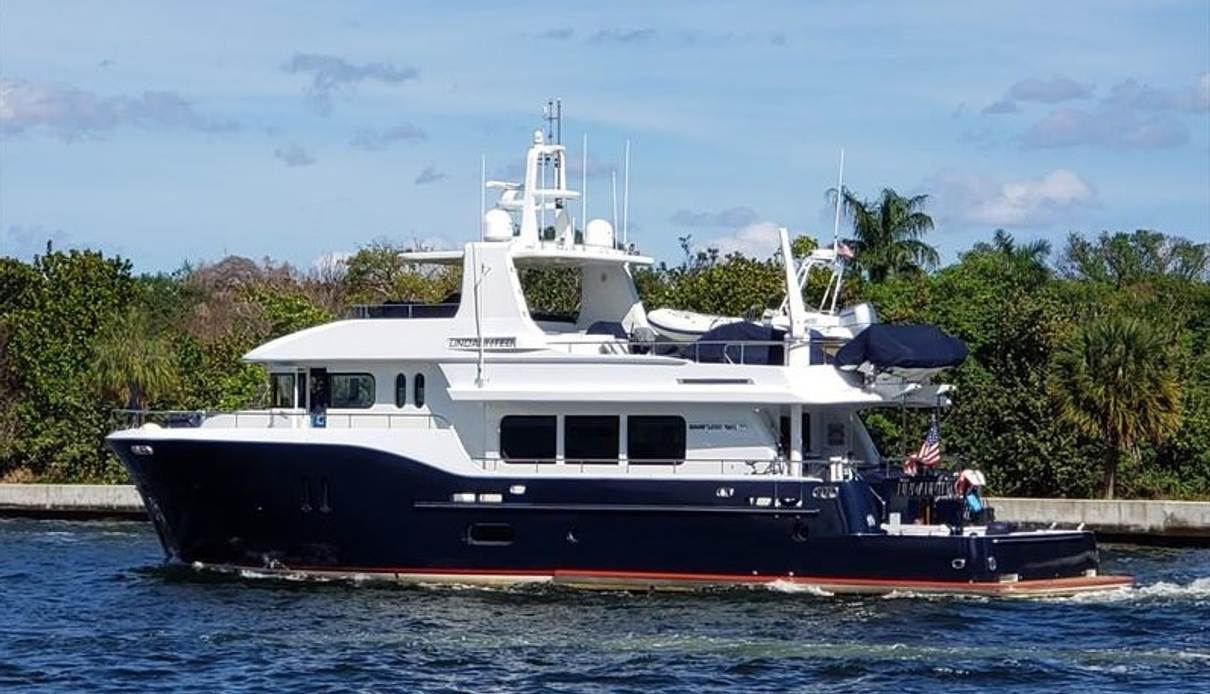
655 439
281 390
590 439
351 390
528 438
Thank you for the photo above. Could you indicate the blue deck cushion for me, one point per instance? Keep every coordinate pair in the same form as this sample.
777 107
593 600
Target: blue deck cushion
902 346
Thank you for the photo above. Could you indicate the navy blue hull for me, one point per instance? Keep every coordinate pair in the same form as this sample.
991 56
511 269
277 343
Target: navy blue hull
346 508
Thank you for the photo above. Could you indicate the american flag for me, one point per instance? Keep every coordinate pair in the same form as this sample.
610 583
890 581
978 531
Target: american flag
843 250
930 450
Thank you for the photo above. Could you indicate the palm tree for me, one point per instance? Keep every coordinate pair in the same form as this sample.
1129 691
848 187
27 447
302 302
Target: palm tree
1115 380
132 364
887 234
1028 260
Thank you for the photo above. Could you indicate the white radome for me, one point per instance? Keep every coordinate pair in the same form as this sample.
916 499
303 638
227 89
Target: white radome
599 233
497 226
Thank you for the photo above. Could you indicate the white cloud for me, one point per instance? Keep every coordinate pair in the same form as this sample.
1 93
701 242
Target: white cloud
970 199
1131 94
429 175
376 140
25 242
1114 128
757 240
1050 91
330 74
557 34
1002 106
294 155
72 113
624 35
730 217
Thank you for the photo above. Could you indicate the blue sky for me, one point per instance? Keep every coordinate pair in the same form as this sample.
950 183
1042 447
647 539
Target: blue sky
185 131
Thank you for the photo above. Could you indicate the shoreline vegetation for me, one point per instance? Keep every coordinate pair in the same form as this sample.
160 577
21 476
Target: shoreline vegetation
1088 375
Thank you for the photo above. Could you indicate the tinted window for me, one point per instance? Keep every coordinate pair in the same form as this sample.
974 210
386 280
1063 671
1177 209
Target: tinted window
656 439
281 388
590 438
419 398
528 438
351 390
401 390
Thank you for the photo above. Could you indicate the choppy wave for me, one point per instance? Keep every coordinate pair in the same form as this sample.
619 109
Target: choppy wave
780 586
1197 590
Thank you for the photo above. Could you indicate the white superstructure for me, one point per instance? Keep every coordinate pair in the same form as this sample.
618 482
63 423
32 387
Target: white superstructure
457 385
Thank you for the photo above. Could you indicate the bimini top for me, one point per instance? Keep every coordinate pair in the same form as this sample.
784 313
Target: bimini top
886 346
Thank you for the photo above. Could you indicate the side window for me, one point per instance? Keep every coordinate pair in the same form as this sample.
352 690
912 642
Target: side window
419 395
590 439
528 438
836 433
351 390
401 390
655 439
281 390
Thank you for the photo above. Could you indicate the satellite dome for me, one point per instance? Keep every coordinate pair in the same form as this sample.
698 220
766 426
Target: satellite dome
497 226
599 233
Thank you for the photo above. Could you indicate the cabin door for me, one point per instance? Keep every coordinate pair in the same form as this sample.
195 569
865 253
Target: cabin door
320 397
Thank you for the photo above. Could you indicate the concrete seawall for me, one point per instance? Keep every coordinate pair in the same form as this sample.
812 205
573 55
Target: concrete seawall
71 501
1129 520
1119 519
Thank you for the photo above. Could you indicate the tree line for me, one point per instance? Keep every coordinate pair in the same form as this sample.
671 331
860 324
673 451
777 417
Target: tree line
1089 368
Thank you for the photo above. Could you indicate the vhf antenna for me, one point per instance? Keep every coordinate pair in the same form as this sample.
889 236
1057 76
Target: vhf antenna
554 121
554 135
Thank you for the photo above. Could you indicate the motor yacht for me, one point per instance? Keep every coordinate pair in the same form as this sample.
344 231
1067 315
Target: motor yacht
477 442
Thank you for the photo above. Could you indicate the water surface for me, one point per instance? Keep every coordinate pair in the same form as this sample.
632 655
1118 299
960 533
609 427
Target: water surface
88 606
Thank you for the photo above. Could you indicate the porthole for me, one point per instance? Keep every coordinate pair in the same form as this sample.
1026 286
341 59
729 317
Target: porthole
418 390
490 534
401 390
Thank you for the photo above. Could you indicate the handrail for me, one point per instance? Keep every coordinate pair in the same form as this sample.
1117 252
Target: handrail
269 417
681 350
769 466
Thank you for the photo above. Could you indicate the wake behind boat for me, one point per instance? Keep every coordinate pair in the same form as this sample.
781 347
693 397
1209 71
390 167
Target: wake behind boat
472 443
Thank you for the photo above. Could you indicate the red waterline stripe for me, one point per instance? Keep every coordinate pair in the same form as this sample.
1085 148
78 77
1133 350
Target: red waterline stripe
1072 581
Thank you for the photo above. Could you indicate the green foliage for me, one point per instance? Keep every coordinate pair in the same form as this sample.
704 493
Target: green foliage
551 291
1115 380
731 285
132 364
888 234
62 302
377 274
68 318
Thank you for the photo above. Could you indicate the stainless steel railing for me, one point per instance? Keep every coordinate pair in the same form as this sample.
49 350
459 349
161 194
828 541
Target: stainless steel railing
819 351
282 418
669 465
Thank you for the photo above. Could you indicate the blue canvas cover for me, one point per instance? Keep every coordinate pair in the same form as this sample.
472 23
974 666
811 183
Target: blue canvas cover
711 347
902 346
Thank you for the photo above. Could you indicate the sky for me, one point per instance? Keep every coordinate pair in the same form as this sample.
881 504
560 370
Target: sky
170 132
